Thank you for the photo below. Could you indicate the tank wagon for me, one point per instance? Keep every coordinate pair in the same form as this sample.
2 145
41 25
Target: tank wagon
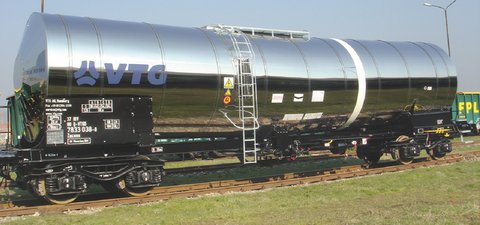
96 98
466 112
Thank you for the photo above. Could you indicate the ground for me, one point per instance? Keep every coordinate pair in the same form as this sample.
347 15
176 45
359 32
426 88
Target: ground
438 195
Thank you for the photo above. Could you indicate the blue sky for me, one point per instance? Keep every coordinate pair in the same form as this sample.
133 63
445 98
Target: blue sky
393 20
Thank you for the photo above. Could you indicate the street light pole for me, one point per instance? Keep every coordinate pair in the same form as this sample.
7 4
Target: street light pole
446 20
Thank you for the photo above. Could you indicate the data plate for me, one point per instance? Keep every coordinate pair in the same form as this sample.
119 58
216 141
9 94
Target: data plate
97 121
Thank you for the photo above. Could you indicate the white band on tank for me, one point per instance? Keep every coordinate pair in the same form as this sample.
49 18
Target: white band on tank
362 84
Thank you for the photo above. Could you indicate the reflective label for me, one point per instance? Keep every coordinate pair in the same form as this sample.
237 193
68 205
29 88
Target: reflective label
318 96
428 88
297 97
277 98
311 116
288 117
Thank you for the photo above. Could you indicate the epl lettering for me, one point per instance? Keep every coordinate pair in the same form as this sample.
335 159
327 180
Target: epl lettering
469 106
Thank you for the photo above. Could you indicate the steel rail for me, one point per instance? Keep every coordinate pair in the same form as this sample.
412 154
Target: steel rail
226 186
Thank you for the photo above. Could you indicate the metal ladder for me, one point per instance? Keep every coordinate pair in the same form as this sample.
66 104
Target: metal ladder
246 85
247 95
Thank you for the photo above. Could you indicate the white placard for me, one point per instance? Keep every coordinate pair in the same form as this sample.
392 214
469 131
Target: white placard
318 96
293 117
277 98
228 83
297 97
311 116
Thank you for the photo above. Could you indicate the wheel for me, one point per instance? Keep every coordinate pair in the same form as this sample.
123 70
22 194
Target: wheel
401 158
476 131
38 189
441 150
438 153
400 153
61 199
122 188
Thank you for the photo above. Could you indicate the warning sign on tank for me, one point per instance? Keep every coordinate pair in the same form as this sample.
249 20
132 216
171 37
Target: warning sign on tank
228 93
228 83
227 100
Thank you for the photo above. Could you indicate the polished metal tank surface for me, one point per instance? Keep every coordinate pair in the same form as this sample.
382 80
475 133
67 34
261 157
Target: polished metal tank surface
298 79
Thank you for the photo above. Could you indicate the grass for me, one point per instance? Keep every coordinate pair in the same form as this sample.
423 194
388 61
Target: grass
240 172
439 195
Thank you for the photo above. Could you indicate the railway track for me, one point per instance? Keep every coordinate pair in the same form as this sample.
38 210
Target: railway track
319 155
195 169
315 156
30 207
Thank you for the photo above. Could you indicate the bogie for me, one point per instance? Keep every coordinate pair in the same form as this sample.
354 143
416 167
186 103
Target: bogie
62 183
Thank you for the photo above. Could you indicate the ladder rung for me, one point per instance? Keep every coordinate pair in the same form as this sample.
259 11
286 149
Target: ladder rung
249 139
250 129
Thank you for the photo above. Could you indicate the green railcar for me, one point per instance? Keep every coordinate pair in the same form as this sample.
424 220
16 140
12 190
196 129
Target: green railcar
466 112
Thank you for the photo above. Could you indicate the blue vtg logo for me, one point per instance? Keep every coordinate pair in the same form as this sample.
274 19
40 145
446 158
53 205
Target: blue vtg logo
156 74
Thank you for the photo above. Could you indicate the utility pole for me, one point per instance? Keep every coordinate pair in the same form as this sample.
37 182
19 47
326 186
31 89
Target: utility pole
446 20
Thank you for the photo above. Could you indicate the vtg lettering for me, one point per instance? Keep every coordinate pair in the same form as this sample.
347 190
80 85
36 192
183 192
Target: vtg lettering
156 74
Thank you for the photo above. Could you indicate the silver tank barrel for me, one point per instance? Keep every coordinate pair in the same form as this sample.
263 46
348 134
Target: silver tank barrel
298 79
